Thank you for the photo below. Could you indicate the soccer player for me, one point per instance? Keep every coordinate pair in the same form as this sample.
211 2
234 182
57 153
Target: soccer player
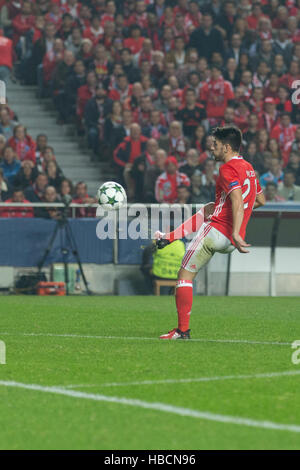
220 225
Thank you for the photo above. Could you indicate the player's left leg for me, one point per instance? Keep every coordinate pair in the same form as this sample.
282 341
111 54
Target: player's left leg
198 254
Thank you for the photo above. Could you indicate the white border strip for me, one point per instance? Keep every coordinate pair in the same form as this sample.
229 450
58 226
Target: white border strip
139 338
206 415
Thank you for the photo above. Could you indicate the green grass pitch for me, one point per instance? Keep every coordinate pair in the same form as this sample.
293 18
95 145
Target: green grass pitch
90 373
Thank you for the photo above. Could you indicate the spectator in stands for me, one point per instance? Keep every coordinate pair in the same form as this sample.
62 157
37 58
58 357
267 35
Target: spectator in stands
162 103
207 39
294 164
275 174
13 211
199 194
207 154
84 94
6 123
23 144
155 128
135 178
271 192
41 145
50 61
217 94
198 141
66 188
295 147
47 156
183 194
191 114
168 182
269 117
114 131
76 79
6 57
132 72
2 145
82 197
209 177
35 192
54 174
94 32
66 27
288 189
284 132
135 40
174 143
61 73
96 110
10 164
5 18
23 22
254 157
251 133
192 163
26 175
274 148
50 196
128 150
44 45
152 173
3 187
73 42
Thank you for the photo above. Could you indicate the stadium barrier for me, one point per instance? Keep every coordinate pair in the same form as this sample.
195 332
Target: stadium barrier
271 268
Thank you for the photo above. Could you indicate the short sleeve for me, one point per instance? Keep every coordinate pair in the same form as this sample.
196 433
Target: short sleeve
229 179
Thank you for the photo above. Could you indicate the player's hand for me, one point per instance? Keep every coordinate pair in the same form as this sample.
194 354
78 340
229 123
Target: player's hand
159 235
240 244
160 241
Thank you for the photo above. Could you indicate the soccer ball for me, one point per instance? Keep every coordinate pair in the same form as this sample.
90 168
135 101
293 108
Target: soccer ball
111 196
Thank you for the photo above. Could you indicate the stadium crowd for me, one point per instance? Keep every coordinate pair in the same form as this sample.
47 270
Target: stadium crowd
145 81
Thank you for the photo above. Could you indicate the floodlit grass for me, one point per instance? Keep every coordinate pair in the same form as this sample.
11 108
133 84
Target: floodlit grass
106 346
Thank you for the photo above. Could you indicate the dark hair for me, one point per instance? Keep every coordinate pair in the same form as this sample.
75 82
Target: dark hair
67 15
183 186
190 90
271 183
291 171
229 135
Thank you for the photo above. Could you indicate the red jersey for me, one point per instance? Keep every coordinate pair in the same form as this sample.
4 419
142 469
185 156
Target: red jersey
216 94
235 174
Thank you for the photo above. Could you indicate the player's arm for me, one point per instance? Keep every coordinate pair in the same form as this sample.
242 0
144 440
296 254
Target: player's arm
209 209
237 204
260 200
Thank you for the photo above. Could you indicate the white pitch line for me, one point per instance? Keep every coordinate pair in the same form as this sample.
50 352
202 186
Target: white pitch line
140 338
265 375
205 415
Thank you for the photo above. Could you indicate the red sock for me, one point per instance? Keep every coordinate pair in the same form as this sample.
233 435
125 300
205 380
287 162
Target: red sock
184 301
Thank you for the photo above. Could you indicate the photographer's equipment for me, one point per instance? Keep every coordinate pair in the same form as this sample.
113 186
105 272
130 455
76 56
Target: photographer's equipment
63 227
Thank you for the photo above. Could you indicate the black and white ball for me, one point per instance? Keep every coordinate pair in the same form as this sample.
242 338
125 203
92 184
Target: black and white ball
111 196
